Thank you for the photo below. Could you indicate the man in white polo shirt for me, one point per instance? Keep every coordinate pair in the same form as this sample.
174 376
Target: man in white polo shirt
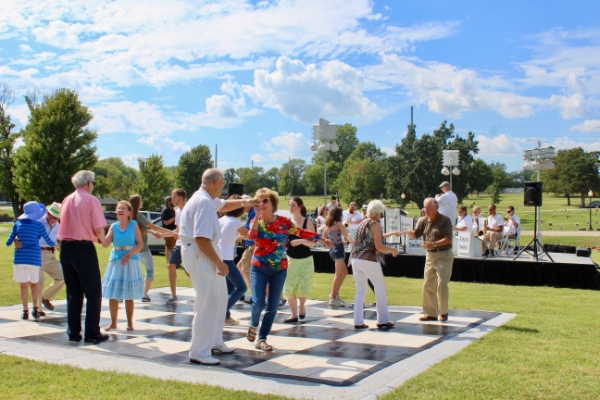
447 202
492 231
464 222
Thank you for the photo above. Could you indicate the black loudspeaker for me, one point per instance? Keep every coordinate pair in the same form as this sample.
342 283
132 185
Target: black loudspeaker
533 194
235 188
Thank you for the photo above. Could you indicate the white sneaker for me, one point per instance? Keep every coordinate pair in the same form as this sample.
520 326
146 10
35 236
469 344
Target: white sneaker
208 360
172 300
230 321
224 349
336 302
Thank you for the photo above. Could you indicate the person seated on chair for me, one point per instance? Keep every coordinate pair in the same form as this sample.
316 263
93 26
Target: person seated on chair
476 215
513 222
464 222
492 231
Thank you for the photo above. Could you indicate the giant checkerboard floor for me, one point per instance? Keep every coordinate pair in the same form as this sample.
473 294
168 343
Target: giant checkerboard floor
323 348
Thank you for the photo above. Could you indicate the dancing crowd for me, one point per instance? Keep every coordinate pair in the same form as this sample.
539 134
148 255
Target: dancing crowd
202 234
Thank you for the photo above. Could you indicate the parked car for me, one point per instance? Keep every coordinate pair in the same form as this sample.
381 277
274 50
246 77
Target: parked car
593 204
155 245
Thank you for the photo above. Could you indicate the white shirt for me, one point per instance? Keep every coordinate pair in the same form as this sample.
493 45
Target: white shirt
512 229
229 234
331 205
177 219
52 232
495 221
465 221
447 205
352 219
476 227
199 218
320 220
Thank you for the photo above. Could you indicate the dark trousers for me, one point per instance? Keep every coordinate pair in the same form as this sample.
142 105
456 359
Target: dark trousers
79 262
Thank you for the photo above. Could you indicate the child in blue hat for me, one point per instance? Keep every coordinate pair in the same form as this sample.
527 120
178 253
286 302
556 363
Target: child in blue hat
28 257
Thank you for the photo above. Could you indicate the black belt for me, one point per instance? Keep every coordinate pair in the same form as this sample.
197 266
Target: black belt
436 250
48 248
77 241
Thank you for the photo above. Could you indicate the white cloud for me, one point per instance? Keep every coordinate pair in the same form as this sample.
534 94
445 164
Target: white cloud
589 125
389 151
501 145
307 92
131 160
258 158
165 145
573 106
286 145
565 142
129 117
25 48
58 33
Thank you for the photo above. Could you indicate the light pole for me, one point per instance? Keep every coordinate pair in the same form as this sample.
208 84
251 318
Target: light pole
450 159
324 132
538 159
591 194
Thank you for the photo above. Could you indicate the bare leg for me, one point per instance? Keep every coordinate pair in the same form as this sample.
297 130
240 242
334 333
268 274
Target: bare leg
24 294
173 278
302 306
293 306
129 312
147 284
35 295
340 274
167 254
113 305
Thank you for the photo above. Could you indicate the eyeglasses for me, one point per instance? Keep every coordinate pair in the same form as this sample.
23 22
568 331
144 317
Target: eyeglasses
264 201
94 183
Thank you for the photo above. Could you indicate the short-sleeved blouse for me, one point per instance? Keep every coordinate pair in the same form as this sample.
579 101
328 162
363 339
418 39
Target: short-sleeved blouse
364 245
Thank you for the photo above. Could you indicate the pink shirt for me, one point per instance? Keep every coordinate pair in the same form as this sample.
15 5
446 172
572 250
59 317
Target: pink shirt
80 215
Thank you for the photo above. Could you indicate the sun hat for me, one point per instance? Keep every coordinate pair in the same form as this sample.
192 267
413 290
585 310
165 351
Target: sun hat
54 209
168 199
33 210
445 183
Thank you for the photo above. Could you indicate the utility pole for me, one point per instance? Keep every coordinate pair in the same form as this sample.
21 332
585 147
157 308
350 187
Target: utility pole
216 157
290 175
252 162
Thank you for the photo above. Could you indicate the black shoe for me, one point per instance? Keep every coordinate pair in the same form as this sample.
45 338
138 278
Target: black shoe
486 253
75 338
35 313
492 253
96 338
25 314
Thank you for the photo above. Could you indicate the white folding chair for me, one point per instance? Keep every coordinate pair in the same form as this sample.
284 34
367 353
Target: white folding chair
503 243
514 244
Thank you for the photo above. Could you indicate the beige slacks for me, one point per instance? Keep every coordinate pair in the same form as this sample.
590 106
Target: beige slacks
52 267
438 270
493 238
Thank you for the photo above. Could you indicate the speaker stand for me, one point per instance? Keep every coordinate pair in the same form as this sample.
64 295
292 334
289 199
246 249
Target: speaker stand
536 242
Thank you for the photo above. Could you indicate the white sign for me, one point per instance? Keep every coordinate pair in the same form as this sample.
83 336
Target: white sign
407 224
393 222
465 243
413 246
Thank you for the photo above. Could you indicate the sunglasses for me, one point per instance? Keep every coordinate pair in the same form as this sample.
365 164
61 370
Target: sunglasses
264 201
94 183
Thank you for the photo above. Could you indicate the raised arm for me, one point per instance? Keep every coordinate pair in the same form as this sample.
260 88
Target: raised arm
378 241
108 239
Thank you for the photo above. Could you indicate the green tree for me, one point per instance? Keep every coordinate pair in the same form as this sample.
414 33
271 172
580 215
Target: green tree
480 177
8 139
501 177
251 178
415 169
114 178
154 183
294 170
347 141
229 175
57 145
493 191
363 176
576 172
271 178
192 164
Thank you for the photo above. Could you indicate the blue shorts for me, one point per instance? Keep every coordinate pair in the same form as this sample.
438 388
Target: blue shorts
337 252
175 257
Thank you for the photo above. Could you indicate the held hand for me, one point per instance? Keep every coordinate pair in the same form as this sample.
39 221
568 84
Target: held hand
223 269
157 235
394 252
326 243
296 242
252 202
18 243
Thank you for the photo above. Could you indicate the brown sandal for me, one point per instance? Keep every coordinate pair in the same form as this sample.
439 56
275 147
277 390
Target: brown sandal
385 326
262 345
363 326
251 336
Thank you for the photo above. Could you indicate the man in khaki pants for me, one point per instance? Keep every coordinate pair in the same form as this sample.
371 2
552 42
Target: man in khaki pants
436 230
50 264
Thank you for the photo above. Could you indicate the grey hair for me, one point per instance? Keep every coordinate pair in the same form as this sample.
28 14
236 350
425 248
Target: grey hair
432 199
82 178
375 207
211 175
246 197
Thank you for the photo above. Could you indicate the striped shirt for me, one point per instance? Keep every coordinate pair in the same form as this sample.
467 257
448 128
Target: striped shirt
29 233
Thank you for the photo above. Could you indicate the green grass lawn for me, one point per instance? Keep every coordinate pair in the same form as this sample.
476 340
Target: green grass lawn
550 350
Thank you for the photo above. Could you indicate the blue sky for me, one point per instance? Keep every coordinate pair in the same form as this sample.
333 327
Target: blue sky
253 76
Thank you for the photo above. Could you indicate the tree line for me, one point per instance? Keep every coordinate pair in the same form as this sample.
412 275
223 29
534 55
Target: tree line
56 143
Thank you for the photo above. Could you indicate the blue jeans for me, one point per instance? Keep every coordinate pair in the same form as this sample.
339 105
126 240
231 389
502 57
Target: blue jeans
148 261
236 287
260 279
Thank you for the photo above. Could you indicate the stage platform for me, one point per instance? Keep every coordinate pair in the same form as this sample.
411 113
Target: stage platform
568 270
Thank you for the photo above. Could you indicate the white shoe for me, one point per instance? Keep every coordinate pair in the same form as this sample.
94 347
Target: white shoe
230 321
336 302
224 349
172 300
208 360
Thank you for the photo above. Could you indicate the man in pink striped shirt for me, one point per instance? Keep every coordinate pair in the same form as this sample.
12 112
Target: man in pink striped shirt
82 223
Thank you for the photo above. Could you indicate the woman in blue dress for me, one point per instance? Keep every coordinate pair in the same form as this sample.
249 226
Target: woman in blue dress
123 275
